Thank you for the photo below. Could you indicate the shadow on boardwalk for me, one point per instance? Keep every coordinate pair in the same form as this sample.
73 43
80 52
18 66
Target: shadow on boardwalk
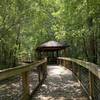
60 85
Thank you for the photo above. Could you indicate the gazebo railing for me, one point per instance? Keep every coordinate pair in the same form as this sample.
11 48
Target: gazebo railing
16 83
87 73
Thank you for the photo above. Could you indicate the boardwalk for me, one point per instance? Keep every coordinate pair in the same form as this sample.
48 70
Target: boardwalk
60 85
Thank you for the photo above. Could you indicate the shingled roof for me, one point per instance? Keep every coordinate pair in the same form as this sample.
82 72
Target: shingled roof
51 45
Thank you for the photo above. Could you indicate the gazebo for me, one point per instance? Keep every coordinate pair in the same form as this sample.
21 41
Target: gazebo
51 50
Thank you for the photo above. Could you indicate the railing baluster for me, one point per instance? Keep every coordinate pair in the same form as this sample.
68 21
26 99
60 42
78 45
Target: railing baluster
40 73
91 86
60 62
79 73
64 63
24 71
25 83
88 75
45 69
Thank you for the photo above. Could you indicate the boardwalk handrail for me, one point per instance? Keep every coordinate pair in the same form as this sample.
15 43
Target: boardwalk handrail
23 72
6 73
95 69
87 73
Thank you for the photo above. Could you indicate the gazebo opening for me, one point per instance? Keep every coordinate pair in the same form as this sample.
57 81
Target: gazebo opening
52 50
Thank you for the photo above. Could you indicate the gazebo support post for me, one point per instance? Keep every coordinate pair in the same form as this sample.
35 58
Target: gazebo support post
54 48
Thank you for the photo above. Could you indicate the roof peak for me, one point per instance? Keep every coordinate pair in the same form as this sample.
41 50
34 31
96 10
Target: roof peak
52 45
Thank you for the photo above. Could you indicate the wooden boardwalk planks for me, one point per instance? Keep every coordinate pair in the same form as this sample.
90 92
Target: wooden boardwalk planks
60 85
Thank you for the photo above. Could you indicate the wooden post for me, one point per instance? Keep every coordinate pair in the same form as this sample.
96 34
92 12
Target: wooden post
79 73
40 73
59 62
64 63
45 68
57 57
67 64
57 54
65 52
70 65
26 92
91 86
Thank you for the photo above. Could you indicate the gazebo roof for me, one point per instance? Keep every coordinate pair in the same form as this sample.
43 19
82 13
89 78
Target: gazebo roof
51 45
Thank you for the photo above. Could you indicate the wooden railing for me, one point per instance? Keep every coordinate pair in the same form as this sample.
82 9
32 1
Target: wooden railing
23 72
87 73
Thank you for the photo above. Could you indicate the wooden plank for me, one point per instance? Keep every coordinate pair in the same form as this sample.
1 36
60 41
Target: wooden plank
91 86
25 83
4 74
95 69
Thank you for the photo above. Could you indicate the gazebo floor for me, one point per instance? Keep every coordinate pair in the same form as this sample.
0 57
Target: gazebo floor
60 85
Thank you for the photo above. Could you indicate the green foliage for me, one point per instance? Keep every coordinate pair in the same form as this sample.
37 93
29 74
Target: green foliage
25 24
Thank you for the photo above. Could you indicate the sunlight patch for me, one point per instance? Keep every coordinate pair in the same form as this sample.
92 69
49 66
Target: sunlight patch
57 70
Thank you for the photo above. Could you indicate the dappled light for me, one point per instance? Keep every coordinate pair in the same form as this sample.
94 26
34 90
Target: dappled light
59 85
10 88
61 34
55 70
